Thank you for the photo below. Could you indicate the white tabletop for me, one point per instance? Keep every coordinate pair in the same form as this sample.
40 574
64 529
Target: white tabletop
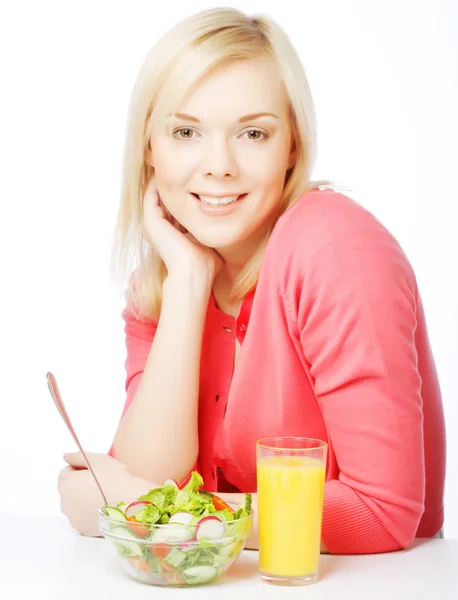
42 557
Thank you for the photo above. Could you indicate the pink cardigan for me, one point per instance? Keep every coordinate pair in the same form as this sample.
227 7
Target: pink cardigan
335 347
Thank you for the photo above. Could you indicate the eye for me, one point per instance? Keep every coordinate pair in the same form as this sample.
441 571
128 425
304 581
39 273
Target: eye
187 133
258 133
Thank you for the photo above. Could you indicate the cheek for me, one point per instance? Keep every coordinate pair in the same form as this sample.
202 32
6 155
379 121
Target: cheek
267 167
174 172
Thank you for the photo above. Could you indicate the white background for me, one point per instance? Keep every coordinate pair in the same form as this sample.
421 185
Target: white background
384 79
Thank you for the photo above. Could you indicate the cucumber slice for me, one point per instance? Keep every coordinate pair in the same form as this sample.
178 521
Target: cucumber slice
247 503
230 550
196 575
181 517
130 547
208 495
151 578
114 513
126 549
175 532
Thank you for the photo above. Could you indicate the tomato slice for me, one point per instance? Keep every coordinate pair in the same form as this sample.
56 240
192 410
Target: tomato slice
171 573
141 565
219 504
140 530
160 550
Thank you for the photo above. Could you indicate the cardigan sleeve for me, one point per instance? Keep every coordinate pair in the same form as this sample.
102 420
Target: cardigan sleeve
139 336
355 307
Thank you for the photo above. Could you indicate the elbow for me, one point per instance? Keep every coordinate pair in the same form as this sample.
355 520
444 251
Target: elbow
401 529
380 528
167 467
406 531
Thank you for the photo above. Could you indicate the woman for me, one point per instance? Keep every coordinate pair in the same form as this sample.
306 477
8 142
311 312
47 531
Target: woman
285 308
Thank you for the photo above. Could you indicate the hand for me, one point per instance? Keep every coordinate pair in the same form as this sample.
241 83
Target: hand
80 495
178 248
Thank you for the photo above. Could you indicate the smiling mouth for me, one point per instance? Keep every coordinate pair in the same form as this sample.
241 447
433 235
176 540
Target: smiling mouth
209 201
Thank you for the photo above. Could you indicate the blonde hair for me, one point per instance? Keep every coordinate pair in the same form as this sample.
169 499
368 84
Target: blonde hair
180 58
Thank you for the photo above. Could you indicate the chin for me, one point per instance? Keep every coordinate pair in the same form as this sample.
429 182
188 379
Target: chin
218 241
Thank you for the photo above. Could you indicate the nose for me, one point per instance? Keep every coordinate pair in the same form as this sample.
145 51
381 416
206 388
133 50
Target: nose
219 160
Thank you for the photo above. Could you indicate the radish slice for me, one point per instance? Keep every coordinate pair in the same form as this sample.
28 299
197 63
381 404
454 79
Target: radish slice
210 527
189 545
181 517
172 482
137 507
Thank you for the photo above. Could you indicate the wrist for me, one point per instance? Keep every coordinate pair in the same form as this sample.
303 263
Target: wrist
198 284
139 486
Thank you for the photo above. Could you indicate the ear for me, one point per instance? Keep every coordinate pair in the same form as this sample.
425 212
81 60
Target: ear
292 157
149 154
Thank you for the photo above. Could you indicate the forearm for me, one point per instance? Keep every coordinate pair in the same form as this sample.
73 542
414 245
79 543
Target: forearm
253 541
165 407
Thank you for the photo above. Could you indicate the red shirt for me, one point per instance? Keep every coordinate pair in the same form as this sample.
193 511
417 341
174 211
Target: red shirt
334 346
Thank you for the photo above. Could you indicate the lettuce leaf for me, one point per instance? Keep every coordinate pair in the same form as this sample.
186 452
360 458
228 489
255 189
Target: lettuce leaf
168 500
175 557
194 483
237 527
150 514
224 515
152 561
205 555
162 497
194 503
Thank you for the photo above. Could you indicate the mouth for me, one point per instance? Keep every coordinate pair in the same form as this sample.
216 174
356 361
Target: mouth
218 202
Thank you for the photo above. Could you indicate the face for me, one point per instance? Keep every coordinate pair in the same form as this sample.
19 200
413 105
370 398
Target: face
220 149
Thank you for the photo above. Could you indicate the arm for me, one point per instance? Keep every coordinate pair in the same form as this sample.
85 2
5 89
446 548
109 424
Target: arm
253 541
79 495
162 402
356 324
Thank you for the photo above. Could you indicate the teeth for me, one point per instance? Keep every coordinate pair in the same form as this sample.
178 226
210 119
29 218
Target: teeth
218 201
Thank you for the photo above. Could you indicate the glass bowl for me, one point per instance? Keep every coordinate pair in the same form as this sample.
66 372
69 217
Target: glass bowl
174 554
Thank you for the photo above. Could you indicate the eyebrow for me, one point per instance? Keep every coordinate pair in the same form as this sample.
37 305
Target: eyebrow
243 119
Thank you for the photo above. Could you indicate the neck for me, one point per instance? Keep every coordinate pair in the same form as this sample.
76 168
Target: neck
236 257
224 280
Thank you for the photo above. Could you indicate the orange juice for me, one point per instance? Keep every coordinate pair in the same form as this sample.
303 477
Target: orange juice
290 508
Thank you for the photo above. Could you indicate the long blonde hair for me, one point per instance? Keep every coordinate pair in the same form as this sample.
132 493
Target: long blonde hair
178 60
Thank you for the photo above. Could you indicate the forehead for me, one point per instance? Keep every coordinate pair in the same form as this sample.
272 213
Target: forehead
238 88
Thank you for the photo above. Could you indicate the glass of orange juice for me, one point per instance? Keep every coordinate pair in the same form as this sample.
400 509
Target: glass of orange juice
290 480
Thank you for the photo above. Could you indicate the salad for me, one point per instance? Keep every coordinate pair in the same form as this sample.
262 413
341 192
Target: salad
174 536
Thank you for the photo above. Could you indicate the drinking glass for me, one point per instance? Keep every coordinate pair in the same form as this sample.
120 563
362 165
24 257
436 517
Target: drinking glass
290 480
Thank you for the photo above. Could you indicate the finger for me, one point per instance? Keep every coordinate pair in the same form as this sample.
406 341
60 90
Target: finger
152 205
76 459
159 231
70 477
192 238
171 219
63 479
64 471
178 226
